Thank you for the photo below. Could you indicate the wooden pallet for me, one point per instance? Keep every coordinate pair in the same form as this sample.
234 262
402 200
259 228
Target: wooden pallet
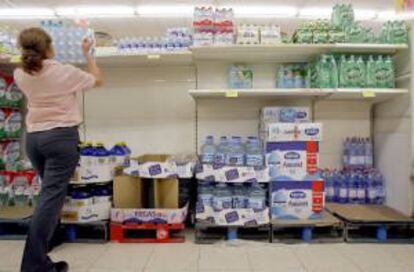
147 233
373 223
90 232
209 234
324 230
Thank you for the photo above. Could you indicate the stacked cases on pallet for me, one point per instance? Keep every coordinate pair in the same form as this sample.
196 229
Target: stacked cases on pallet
292 155
147 204
232 189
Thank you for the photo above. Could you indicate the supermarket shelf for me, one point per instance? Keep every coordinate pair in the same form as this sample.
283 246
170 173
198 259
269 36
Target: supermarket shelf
110 57
375 95
285 52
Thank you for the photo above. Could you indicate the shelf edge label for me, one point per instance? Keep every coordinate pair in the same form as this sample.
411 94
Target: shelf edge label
232 94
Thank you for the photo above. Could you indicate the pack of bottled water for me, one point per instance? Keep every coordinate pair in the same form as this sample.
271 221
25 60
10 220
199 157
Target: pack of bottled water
8 41
232 152
394 32
354 186
67 37
175 39
357 152
222 196
240 76
213 26
97 163
293 76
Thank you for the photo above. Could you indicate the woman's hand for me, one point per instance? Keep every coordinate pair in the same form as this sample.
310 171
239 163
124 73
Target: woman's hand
86 46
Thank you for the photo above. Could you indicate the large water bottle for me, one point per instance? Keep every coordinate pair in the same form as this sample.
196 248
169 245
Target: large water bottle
205 194
236 154
254 153
239 196
353 153
371 81
257 197
390 76
222 198
368 153
118 154
362 184
346 153
329 186
336 185
343 188
361 68
353 188
360 152
379 188
208 150
221 152
101 155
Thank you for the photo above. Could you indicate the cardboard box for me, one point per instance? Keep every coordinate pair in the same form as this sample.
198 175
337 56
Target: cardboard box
232 217
92 169
159 166
297 199
231 174
129 201
91 213
285 115
292 160
151 216
287 132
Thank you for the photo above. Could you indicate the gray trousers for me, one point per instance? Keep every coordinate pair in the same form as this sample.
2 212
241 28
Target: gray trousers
54 155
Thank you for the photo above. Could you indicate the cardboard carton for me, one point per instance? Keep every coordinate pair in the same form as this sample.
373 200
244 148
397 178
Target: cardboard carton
83 214
288 132
231 174
297 199
292 160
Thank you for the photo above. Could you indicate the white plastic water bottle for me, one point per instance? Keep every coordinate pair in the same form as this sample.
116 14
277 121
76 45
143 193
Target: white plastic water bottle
208 150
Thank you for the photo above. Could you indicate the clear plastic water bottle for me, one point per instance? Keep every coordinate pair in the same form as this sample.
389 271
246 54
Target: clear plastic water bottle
221 152
254 153
343 188
336 185
257 197
329 186
379 188
390 73
346 153
222 198
205 194
361 195
236 154
361 152
368 153
353 188
208 150
239 196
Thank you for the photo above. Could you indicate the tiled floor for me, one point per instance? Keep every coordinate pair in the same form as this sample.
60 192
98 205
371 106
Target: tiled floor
238 256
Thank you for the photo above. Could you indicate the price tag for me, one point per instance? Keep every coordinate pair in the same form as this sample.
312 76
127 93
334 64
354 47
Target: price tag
368 94
232 93
152 56
15 59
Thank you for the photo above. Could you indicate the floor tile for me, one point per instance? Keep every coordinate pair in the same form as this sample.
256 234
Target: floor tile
174 257
267 257
223 257
118 257
78 256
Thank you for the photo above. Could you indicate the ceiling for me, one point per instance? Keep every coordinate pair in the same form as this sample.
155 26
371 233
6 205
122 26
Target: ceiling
119 27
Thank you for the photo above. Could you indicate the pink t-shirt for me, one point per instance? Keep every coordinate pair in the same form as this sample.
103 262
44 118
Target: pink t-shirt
51 95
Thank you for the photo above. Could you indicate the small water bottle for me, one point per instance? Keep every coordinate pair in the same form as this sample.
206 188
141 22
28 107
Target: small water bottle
208 150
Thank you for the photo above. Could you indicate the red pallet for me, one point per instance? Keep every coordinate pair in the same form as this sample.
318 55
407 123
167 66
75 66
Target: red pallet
162 233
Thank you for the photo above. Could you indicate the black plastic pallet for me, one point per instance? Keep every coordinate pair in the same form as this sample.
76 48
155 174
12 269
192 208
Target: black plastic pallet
328 229
90 232
209 234
14 229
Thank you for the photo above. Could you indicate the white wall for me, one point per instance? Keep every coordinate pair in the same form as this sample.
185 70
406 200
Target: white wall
148 107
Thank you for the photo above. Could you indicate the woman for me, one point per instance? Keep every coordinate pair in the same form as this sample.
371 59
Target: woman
52 137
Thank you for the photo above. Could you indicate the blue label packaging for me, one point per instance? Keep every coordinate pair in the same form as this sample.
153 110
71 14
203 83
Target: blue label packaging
293 200
292 160
287 132
231 174
160 166
232 217
285 115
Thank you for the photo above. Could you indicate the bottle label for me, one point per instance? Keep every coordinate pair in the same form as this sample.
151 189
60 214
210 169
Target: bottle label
372 193
254 160
235 159
207 158
343 193
352 193
361 193
239 202
255 203
330 191
219 158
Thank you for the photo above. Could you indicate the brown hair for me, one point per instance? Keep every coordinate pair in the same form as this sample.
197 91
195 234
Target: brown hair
34 43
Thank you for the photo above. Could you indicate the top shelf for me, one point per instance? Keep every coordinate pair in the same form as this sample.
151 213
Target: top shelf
110 57
286 52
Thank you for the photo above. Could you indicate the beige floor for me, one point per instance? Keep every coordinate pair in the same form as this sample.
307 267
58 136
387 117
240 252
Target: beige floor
239 256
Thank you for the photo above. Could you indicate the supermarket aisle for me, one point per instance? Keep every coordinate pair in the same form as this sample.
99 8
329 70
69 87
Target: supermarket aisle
243 256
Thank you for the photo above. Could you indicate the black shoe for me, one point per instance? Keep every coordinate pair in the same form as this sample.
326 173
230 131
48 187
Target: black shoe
61 267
